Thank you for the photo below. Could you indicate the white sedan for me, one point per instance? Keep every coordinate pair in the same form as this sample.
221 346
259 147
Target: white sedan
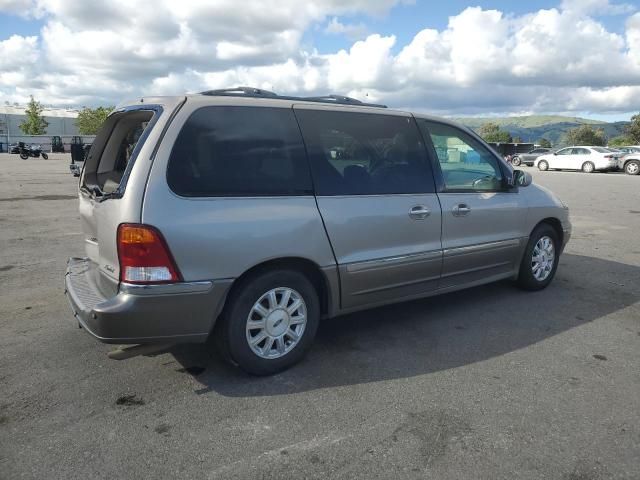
587 159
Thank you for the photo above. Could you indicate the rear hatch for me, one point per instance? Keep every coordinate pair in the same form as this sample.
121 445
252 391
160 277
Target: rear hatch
114 179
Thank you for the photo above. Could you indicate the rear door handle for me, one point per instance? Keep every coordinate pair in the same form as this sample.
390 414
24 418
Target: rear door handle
419 212
461 210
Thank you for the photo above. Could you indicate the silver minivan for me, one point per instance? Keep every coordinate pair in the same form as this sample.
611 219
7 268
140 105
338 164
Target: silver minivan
245 217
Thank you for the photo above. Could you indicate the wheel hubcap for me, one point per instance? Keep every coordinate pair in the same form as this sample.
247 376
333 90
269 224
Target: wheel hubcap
632 168
543 258
588 167
276 322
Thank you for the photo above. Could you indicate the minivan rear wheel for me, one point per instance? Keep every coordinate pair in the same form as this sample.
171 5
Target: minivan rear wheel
540 259
269 322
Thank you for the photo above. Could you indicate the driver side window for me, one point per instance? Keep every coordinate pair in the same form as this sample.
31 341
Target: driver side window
465 163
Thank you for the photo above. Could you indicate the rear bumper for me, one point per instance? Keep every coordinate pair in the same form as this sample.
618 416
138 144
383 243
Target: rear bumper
167 313
608 165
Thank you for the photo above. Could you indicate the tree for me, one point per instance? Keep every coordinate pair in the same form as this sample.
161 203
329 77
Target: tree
34 124
632 130
585 135
544 143
620 141
491 132
91 119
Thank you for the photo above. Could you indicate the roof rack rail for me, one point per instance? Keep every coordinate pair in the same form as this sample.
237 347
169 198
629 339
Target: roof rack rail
259 93
240 91
342 100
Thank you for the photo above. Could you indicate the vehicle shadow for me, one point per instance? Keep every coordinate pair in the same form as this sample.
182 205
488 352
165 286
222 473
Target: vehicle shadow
434 334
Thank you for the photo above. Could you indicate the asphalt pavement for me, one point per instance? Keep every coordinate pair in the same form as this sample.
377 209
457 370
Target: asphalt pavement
486 383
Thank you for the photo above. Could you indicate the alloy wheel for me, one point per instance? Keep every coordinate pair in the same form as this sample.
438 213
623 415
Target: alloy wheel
632 168
276 323
543 258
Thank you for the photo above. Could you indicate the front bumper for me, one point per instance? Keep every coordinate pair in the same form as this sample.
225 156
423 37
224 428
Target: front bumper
167 313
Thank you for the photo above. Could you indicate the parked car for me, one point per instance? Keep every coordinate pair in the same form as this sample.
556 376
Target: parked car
529 157
230 214
630 163
630 149
585 158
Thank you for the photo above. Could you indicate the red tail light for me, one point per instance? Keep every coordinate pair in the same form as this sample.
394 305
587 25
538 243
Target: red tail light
144 256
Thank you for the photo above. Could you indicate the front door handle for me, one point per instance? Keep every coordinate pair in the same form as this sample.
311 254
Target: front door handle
419 212
461 210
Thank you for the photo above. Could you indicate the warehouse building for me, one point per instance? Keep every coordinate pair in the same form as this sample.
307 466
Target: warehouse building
62 123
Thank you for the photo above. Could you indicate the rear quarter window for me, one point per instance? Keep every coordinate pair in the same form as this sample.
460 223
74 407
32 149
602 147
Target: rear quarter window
239 151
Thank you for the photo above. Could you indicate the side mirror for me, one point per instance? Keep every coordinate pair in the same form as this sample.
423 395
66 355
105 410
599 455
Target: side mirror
521 179
554 153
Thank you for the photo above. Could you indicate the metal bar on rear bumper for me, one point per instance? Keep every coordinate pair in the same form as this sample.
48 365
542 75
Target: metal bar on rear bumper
166 288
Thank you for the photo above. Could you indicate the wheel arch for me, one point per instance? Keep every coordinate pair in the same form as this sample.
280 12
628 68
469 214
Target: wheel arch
554 223
307 267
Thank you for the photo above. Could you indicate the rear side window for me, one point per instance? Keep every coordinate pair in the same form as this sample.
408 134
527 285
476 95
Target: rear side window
364 154
239 151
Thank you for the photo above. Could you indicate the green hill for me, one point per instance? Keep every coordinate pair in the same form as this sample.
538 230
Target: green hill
552 127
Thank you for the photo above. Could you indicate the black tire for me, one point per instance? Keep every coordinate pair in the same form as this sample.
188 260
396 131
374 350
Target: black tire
231 334
516 162
543 165
24 156
526 279
45 156
588 167
632 167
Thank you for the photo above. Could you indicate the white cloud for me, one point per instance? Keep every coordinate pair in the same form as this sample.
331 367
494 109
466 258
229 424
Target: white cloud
352 31
602 7
559 59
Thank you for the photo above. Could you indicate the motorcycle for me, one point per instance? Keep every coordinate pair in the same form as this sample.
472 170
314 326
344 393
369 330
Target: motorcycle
34 151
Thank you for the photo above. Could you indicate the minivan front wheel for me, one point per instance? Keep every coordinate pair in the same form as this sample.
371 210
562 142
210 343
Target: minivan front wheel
543 165
540 260
270 322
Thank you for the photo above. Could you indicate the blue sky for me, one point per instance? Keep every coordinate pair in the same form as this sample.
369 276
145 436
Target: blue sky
583 59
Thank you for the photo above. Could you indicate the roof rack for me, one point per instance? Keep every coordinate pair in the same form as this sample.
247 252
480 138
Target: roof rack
240 92
259 93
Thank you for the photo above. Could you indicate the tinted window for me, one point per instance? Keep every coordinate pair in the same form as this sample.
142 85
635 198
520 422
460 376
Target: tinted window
599 150
239 151
466 164
359 153
564 151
